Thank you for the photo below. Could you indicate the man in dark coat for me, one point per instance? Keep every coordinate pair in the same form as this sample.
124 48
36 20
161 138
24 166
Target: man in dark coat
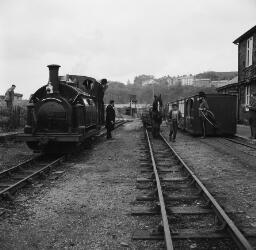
110 118
9 97
252 115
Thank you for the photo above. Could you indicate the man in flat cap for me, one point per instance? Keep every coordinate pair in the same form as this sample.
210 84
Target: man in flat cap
110 118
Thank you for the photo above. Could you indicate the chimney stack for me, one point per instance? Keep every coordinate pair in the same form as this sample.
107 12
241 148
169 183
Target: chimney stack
54 77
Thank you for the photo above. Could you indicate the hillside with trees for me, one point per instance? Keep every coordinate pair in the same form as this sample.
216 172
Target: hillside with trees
145 86
120 92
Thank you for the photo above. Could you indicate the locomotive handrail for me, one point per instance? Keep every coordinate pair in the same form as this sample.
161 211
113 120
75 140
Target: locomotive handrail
75 98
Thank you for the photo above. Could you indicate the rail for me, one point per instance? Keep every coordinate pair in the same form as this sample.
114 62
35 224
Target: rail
240 142
228 224
14 177
14 174
167 233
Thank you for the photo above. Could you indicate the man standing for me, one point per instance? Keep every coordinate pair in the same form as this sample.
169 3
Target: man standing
252 115
110 118
173 118
9 97
203 107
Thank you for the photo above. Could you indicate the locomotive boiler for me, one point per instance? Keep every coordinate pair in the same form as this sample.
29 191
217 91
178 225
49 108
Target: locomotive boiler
64 113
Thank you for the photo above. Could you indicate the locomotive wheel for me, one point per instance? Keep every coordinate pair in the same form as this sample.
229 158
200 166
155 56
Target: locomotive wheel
60 148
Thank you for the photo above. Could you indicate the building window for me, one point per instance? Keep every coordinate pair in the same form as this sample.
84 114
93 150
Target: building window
249 47
247 96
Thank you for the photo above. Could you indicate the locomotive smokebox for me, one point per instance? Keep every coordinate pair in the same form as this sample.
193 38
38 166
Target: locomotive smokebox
54 77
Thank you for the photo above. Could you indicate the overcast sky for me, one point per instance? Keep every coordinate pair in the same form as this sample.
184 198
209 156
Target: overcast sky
118 39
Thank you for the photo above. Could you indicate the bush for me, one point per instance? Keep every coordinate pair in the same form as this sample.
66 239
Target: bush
13 119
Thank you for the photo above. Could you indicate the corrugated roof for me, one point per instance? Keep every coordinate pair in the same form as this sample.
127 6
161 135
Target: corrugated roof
229 84
245 35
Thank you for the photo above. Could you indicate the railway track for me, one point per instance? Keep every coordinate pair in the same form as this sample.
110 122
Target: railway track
16 177
242 142
236 144
190 217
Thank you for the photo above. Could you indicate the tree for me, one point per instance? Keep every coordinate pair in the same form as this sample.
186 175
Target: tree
139 80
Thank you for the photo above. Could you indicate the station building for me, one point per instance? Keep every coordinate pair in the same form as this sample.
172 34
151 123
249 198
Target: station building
246 82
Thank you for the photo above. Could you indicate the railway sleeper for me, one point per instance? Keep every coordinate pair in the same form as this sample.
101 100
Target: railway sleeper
8 195
164 179
192 210
178 235
168 198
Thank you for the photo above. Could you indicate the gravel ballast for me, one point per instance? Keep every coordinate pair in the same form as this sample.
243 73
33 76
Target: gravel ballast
87 207
227 174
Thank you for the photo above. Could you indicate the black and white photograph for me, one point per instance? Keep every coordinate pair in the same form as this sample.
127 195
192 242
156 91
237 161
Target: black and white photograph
128 124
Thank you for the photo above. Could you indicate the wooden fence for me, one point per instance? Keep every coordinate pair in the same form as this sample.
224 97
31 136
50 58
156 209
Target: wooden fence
12 119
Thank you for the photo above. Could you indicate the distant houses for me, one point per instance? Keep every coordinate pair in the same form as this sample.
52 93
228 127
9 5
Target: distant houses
186 80
202 82
189 80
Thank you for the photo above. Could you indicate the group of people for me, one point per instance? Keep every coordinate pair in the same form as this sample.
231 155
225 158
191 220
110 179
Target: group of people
174 117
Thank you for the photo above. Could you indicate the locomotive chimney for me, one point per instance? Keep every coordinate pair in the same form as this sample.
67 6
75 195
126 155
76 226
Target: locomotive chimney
54 77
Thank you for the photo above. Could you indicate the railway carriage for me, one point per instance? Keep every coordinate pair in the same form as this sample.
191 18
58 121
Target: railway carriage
222 119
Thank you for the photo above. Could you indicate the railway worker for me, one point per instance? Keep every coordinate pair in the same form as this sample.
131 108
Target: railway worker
9 97
173 118
110 118
100 95
203 108
252 115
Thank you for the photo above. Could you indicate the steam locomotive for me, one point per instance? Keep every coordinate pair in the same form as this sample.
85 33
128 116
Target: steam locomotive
64 113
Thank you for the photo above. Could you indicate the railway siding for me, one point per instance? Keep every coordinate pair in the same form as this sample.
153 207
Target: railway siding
88 207
228 173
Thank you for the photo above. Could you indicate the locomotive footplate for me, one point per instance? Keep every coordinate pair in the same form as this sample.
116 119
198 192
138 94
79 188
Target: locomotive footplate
57 137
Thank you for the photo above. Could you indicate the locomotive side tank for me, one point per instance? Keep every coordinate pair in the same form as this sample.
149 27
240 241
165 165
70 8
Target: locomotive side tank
62 114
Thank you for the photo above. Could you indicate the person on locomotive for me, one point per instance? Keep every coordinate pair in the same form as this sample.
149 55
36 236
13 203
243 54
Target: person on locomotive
203 108
110 118
173 118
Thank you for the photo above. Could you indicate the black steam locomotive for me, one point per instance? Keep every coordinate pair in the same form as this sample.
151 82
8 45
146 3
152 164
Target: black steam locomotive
64 113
